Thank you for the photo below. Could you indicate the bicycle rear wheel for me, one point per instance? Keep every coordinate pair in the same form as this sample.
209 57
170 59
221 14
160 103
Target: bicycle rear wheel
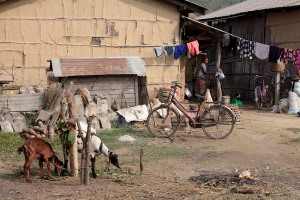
218 122
163 121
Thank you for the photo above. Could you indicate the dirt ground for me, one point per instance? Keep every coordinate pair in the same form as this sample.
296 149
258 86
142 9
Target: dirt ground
262 143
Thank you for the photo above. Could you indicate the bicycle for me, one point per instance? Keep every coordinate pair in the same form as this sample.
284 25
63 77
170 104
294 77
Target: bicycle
262 92
217 121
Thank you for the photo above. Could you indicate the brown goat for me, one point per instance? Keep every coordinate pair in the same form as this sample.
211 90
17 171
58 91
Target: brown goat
36 148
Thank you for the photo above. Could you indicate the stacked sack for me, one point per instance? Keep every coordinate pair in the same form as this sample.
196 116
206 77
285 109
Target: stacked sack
294 99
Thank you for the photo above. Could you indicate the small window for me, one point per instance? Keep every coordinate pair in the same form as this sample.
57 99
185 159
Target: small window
96 41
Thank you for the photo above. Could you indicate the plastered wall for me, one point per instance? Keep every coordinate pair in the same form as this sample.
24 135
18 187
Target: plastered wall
34 31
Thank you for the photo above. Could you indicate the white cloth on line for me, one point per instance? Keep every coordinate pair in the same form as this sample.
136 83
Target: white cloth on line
262 50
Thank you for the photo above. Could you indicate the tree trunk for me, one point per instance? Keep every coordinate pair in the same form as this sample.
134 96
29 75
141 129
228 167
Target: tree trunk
73 151
218 65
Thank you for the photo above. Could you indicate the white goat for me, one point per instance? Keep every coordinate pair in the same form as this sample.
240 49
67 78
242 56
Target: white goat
96 148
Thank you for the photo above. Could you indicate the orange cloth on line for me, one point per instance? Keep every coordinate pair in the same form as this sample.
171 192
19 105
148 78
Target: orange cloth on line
193 47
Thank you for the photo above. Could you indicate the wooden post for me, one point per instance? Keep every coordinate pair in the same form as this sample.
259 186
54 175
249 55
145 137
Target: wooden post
277 88
141 161
73 151
218 64
86 146
82 171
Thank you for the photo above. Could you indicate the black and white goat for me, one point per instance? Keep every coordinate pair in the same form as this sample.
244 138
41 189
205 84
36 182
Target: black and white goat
97 147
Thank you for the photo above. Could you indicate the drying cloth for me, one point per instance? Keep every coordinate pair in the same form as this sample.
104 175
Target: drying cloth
290 55
179 51
245 48
298 61
262 50
169 50
275 54
158 51
193 47
226 40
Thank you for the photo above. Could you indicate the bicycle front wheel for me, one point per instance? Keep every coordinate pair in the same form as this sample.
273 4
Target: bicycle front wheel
163 121
258 98
269 97
218 122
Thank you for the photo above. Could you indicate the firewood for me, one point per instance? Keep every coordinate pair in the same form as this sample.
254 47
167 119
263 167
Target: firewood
31 131
41 125
39 130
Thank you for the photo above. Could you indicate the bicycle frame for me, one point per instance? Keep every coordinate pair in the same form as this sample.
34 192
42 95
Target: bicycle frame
187 112
262 94
261 89
216 121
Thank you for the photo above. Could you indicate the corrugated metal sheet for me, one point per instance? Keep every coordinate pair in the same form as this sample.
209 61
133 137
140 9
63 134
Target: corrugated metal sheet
249 6
22 102
64 67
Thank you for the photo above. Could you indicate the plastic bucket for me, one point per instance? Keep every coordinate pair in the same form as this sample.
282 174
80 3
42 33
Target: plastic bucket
226 99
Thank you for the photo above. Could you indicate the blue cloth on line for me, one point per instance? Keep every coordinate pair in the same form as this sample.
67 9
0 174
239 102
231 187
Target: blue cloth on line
169 50
275 54
179 51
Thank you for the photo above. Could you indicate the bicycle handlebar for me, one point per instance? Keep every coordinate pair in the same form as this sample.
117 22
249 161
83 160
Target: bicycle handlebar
175 84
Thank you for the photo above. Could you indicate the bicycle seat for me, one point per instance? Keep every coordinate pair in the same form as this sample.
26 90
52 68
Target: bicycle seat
199 98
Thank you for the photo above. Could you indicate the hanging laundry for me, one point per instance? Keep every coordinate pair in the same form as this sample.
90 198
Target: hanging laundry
193 47
169 50
290 55
179 51
158 51
226 40
298 60
262 50
276 54
245 48
232 45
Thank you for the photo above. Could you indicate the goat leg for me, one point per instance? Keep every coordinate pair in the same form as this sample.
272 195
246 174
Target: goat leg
93 160
66 152
27 166
48 167
41 168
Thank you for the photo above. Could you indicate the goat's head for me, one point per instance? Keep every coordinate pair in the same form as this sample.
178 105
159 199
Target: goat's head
113 158
79 144
59 165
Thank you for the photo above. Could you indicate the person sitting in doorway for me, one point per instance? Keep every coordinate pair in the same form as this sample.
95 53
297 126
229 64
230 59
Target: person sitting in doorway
205 80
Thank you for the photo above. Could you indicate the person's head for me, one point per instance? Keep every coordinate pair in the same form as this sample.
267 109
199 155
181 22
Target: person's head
206 60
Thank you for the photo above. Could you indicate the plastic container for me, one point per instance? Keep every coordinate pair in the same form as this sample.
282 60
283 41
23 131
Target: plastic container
226 100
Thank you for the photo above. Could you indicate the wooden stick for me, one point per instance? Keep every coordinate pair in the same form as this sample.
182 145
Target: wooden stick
141 160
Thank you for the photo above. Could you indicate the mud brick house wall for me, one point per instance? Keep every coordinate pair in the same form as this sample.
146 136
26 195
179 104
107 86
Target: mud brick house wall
33 32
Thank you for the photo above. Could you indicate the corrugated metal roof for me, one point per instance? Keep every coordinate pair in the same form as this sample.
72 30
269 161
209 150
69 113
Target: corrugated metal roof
22 102
64 67
249 6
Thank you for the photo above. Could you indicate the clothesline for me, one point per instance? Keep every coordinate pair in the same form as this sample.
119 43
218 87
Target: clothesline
245 49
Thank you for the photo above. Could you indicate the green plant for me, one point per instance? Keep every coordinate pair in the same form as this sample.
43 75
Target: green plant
295 140
294 130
